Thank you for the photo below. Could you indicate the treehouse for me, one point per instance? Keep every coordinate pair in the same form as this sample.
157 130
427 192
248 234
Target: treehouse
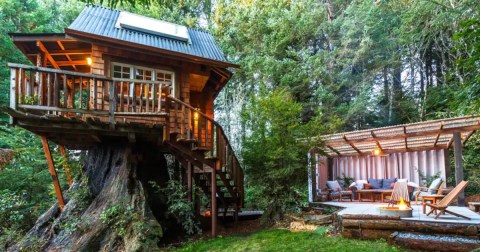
114 76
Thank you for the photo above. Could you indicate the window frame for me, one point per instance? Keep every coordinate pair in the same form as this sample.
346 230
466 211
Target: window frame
154 72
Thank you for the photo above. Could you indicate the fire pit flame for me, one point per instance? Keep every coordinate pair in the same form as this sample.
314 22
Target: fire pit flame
402 205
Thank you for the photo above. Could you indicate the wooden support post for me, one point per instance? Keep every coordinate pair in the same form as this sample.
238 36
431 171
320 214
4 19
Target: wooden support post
13 92
457 148
65 164
214 203
53 172
189 181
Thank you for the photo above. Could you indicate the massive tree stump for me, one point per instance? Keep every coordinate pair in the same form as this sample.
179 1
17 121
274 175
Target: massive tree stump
123 211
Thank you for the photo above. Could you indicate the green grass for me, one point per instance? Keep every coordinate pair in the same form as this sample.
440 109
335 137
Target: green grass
284 240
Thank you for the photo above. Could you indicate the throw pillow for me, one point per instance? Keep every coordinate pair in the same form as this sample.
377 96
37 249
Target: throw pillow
376 183
333 185
434 185
388 182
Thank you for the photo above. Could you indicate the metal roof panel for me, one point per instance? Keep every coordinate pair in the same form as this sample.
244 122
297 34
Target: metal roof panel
101 21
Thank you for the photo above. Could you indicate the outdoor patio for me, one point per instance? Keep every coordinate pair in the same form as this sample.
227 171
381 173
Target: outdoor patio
372 208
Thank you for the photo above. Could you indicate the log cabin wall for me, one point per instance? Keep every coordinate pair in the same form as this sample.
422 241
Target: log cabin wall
190 80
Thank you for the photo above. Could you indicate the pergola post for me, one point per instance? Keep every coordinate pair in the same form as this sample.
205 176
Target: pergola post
457 148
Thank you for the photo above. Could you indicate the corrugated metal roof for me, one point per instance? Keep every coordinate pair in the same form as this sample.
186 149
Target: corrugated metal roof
101 21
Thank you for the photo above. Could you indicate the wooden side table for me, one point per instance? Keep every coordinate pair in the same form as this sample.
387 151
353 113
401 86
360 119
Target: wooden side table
365 192
432 198
384 193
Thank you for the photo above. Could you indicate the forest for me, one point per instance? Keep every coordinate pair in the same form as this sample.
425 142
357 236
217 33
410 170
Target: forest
307 68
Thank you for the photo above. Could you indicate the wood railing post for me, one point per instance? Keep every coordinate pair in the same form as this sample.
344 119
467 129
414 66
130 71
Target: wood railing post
112 103
13 91
53 172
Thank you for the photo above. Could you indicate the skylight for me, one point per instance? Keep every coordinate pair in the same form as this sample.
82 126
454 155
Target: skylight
153 26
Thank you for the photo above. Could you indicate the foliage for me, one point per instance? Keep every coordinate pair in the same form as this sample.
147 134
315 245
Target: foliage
180 208
275 161
118 217
345 181
284 240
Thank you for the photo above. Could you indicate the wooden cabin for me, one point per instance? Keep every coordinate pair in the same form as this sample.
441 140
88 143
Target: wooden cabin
118 76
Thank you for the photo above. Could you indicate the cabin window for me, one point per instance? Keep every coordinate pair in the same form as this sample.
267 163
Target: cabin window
131 74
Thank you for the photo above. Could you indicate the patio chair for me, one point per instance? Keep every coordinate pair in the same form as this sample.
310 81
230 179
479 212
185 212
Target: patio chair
336 191
443 204
435 188
400 190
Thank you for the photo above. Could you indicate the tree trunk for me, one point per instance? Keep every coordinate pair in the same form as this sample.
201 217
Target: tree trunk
122 213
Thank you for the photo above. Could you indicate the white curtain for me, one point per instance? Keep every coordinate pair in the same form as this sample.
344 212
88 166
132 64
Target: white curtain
407 165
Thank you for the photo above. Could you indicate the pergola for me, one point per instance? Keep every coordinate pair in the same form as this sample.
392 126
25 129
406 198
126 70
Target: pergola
413 137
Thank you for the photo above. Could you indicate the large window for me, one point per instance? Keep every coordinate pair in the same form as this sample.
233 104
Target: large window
133 75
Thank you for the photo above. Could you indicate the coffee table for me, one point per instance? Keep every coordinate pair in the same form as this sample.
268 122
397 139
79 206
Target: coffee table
432 198
370 193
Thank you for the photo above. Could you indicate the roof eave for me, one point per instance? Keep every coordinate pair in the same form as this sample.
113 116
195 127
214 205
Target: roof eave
89 36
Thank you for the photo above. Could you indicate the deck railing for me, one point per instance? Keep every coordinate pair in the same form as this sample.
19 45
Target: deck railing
208 135
51 91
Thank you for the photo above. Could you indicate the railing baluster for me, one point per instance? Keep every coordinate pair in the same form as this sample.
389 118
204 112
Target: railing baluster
65 93
128 96
160 98
49 89
88 98
71 93
30 87
56 91
80 105
20 86
40 89
121 96
95 94
134 98
102 96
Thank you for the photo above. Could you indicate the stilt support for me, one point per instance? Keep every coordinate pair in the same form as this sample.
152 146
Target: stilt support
214 203
53 172
65 165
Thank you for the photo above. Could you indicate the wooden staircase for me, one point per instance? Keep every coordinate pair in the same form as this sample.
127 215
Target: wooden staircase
200 144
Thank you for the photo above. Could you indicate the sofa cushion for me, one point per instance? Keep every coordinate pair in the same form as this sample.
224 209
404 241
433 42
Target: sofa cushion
434 186
333 185
386 183
376 183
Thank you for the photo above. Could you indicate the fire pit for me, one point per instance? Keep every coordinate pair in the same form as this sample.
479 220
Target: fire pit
401 210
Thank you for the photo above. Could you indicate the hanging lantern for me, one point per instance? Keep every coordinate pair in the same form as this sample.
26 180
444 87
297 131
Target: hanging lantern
377 151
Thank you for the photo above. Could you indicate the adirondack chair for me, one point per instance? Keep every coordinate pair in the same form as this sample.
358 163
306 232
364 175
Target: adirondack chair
434 188
400 190
443 204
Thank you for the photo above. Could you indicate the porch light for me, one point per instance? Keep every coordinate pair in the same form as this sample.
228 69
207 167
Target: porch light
195 115
377 151
89 61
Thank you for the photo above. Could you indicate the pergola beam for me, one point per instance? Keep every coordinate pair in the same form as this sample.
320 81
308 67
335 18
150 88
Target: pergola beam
467 137
410 134
331 148
438 136
351 144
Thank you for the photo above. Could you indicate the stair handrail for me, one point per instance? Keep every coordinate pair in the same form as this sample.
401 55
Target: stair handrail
238 173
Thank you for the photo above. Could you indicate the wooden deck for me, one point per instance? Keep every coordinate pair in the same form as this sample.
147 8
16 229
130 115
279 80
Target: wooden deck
362 220
370 208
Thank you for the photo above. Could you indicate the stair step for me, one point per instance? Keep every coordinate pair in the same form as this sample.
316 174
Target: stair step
211 158
186 141
201 149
